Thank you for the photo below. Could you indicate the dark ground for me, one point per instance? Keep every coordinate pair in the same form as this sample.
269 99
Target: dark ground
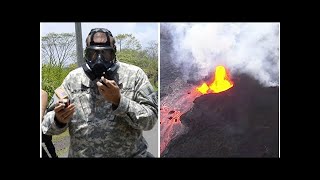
240 122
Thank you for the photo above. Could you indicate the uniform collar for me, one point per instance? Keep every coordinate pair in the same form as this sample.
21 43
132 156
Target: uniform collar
85 80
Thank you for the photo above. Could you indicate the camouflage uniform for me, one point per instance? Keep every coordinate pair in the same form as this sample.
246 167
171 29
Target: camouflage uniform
98 130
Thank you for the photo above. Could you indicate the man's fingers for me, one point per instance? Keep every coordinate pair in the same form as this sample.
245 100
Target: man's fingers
103 81
109 83
110 91
114 83
66 112
59 107
99 84
70 114
70 107
102 86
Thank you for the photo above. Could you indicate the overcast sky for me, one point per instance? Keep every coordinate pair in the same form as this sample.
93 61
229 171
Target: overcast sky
144 32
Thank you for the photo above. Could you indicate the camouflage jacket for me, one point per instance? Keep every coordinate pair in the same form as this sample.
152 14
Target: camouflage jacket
98 130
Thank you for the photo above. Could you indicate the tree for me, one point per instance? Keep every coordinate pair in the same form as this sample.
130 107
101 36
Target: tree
57 49
127 41
119 38
152 50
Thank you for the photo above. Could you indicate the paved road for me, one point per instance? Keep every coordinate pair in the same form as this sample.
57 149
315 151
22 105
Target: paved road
152 139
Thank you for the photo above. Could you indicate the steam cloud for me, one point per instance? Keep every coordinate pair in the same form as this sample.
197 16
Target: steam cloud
251 48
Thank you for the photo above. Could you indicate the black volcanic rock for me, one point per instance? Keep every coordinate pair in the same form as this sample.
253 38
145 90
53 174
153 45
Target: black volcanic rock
240 122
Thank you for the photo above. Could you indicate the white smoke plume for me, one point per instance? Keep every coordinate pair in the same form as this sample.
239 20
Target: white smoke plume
251 48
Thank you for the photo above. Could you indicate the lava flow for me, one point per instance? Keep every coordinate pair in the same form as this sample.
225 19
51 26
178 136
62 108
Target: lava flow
220 83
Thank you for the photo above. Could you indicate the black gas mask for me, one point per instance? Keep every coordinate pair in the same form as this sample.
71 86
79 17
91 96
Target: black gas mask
100 57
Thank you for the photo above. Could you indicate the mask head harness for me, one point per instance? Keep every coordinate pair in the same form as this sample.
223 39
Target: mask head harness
100 57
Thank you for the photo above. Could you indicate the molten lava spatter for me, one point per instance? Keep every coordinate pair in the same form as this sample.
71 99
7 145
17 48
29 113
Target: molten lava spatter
219 84
203 88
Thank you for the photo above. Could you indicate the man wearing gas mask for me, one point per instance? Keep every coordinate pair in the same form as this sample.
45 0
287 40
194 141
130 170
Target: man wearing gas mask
106 104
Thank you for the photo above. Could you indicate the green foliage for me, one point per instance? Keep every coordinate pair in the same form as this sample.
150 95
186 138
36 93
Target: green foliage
53 75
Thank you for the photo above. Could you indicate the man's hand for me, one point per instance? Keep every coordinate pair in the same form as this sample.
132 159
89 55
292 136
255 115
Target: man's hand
110 91
64 114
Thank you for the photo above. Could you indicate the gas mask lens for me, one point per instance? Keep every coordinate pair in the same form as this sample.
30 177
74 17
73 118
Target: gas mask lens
92 54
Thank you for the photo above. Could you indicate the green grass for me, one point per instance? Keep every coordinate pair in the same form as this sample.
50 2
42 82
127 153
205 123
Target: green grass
62 152
58 138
